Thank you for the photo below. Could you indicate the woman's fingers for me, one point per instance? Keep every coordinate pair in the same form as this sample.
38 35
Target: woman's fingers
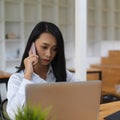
33 59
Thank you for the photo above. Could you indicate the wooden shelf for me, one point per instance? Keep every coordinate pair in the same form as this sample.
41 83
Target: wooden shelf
92 73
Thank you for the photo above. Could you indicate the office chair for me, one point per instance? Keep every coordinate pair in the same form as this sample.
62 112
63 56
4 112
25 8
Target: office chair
110 98
3 113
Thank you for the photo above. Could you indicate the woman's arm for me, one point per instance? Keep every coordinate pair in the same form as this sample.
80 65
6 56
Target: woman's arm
16 93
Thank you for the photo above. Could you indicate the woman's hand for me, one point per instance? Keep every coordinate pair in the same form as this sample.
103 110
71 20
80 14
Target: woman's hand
29 63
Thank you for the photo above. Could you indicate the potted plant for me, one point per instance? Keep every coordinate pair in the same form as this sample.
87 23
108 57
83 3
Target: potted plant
33 113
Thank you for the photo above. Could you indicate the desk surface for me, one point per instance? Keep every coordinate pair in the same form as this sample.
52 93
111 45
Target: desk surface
88 70
108 108
4 74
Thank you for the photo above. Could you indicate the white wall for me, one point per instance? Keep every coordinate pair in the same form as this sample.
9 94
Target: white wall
109 45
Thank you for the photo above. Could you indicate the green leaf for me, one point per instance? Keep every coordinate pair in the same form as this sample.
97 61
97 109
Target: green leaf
33 113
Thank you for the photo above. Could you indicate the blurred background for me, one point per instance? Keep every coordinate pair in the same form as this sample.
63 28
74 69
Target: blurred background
18 17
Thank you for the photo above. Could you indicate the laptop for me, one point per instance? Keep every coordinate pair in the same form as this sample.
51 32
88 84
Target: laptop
68 100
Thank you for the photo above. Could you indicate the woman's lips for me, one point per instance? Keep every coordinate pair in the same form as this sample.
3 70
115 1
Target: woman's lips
46 60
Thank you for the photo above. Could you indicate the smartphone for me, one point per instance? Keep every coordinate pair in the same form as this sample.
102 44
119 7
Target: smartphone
33 48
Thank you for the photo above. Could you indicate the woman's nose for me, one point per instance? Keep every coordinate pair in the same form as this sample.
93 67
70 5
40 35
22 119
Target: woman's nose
48 53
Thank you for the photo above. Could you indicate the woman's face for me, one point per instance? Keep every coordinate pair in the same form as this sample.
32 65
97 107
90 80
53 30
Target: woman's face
46 47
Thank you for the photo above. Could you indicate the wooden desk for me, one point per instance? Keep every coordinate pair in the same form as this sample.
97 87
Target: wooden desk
108 108
4 77
110 77
92 73
4 74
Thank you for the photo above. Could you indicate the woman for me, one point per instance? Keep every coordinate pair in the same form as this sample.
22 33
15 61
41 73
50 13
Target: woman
43 61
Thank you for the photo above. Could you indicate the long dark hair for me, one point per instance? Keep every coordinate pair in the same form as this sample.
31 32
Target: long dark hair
58 63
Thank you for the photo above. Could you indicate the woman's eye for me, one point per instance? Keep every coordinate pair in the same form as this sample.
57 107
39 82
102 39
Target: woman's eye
44 47
54 49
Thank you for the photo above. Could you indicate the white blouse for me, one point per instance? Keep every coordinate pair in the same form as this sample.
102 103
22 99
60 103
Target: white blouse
16 88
